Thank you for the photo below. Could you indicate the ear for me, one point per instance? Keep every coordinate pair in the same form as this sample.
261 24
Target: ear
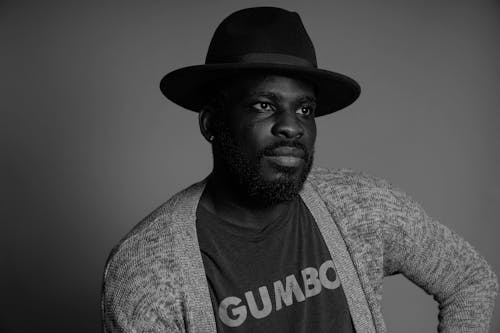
205 119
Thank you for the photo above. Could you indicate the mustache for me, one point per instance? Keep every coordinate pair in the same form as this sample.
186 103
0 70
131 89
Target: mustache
269 150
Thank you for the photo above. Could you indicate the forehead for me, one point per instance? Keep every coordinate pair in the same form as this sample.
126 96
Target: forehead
279 85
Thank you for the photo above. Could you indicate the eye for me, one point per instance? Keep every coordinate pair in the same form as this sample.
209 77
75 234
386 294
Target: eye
306 110
263 106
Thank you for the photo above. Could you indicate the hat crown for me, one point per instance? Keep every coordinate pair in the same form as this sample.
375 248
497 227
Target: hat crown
259 40
262 34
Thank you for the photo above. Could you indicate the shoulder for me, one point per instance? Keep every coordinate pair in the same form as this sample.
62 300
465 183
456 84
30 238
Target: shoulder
135 251
156 232
348 183
351 189
346 177
145 263
148 244
148 235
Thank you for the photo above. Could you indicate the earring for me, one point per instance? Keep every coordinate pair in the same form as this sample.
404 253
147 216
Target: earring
211 138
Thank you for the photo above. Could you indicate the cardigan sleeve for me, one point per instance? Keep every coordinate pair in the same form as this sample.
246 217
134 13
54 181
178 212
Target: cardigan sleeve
440 262
141 291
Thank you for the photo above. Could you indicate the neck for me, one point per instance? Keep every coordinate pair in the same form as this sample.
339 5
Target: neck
226 200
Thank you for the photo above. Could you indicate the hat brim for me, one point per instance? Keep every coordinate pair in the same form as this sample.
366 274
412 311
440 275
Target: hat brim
190 87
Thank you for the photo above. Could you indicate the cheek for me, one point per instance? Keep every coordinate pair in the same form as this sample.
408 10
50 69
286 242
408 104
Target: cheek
310 129
255 134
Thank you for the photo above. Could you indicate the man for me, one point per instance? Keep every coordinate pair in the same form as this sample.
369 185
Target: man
266 243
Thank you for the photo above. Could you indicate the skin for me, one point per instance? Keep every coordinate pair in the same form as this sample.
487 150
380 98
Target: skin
259 112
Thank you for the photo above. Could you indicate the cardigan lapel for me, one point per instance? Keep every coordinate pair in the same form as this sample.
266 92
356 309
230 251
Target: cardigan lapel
358 306
199 315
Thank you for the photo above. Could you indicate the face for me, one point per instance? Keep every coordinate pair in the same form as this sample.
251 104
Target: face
264 136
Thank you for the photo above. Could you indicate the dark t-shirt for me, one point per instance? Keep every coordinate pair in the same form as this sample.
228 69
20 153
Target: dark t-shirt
275 277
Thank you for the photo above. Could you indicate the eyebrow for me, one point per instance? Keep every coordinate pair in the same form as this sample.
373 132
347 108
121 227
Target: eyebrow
263 94
270 95
308 99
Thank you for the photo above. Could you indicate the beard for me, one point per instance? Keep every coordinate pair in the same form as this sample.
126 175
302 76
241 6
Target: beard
246 173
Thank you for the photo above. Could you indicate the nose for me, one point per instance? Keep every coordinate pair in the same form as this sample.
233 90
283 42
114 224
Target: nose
287 126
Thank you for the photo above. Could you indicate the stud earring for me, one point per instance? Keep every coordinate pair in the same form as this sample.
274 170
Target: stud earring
211 138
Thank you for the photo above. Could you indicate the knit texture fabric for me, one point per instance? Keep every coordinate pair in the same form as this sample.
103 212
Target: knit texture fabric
154 280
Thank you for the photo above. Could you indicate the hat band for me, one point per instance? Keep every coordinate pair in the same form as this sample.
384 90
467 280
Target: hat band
271 58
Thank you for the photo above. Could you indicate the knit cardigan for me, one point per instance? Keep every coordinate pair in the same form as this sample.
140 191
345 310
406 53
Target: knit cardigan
154 280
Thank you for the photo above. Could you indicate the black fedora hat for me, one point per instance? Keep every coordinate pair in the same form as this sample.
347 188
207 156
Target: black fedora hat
254 40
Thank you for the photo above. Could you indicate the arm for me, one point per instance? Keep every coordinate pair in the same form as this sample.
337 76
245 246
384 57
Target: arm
141 292
440 262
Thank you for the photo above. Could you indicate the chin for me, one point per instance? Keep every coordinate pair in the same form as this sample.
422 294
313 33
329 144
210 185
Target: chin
278 191
278 184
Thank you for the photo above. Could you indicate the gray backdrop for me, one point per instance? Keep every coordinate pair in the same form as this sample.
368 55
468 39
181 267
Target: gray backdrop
90 146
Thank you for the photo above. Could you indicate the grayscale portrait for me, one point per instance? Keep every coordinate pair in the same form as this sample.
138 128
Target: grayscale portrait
250 166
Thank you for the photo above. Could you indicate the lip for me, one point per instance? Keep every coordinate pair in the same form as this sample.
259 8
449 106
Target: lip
287 156
288 152
286 160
